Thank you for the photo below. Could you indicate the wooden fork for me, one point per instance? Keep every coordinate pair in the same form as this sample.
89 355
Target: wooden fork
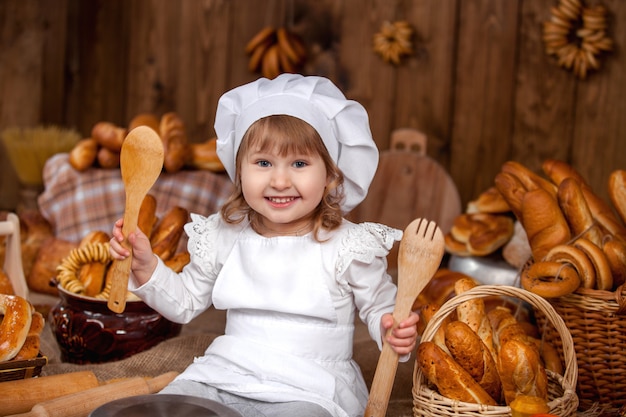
420 253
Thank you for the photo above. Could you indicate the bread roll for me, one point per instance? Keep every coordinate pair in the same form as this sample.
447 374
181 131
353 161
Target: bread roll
544 222
528 178
145 119
178 261
489 201
6 287
470 352
175 143
108 159
504 326
576 211
164 240
83 154
451 380
461 229
512 190
549 355
439 289
617 192
109 135
455 247
557 171
615 251
426 314
30 348
204 156
489 232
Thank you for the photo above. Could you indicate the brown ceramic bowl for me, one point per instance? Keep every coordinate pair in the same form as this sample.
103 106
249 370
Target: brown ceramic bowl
88 332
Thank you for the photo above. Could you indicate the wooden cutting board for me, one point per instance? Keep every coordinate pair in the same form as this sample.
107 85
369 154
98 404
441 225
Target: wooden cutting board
409 184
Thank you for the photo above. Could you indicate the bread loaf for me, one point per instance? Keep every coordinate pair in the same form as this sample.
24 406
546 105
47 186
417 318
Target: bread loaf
175 143
615 251
512 190
426 314
147 215
528 178
576 211
603 213
617 192
451 380
472 312
107 158
145 119
109 135
204 156
167 234
470 352
83 154
557 171
43 272
544 222
178 261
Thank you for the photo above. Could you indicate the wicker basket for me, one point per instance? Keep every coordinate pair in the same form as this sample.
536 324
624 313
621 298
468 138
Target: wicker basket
563 400
597 323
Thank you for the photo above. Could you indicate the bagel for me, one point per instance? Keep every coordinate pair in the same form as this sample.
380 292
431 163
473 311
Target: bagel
576 258
15 326
604 277
550 279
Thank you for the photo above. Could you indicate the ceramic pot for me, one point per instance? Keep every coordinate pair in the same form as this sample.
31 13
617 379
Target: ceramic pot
88 332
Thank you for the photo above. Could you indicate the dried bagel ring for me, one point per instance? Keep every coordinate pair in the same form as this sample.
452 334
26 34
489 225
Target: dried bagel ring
578 259
550 279
67 271
604 276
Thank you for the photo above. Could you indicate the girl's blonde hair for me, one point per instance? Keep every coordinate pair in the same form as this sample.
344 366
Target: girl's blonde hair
287 135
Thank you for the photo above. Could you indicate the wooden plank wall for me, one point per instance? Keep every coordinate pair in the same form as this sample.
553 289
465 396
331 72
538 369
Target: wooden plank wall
479 85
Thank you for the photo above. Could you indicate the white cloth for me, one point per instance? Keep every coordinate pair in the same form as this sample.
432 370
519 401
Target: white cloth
291 305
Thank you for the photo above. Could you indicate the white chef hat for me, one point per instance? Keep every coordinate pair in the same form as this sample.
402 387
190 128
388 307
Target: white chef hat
342 124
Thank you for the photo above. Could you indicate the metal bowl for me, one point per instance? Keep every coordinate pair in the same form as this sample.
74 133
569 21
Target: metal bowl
164 405
486 270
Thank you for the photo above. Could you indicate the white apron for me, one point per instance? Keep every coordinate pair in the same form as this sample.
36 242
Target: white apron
282 341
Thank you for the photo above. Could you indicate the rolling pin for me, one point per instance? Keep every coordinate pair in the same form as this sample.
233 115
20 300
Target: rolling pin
21 395
82 403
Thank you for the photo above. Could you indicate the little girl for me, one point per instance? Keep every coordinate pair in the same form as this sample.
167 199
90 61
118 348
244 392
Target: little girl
280 258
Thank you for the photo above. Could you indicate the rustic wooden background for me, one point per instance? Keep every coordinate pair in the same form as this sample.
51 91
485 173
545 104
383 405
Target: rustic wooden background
479 85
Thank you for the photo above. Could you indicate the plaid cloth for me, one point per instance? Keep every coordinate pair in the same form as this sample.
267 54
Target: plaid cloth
76 203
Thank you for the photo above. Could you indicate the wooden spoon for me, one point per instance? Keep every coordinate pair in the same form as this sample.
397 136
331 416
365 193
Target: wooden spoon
420 253
141 162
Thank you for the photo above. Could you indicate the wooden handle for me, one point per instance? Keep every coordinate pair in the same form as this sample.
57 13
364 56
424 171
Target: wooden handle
121 269
382 383
21 395
81 404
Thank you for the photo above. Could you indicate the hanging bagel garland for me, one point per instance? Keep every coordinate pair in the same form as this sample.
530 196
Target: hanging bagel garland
274 51
577 36
393 41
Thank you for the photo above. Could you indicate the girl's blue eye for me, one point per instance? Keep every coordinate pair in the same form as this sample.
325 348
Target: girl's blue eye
299 164
263 163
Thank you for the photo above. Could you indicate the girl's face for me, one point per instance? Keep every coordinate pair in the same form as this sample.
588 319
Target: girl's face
284 190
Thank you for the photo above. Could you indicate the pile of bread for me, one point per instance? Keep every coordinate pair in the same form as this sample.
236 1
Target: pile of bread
102 149
487 351
20 325
86 268
554 228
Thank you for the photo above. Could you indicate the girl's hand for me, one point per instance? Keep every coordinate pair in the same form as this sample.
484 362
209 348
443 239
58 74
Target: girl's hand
404 337
144 262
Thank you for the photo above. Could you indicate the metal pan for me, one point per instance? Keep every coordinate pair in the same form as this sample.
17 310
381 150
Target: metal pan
164 405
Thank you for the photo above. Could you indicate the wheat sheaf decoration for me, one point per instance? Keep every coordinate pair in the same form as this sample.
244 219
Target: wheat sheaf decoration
393 41
577 36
